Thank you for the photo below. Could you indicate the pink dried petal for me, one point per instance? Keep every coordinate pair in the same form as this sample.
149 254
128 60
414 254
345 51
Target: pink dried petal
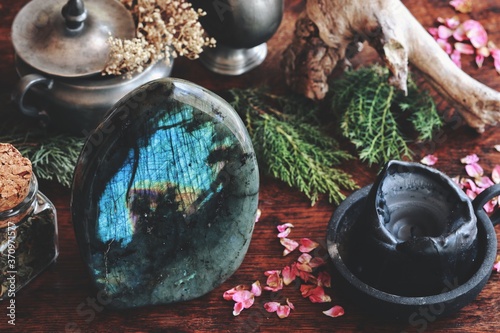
476 33
256 288
324 279
471 194
469 159
289 244
283 227
468 184
479 60
474 170
307 289
497 265
238 307
490 206
462 6
317 262
258 215
303 262
274 281
283 311
495 174
452 22
285 233
336 311
271 306
456 57
484 182
495 54
433 31
484 51
459 34
464 48
290 304
289 274
307 277
244 297
228 294
429 160
317 295
307 245
444 32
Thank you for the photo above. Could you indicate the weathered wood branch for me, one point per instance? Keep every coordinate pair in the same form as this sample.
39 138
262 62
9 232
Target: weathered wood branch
330 29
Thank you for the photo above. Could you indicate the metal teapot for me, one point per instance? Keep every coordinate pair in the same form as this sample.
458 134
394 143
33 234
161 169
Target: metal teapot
61 48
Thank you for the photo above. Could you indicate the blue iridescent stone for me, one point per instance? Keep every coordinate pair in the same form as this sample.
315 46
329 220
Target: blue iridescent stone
165 195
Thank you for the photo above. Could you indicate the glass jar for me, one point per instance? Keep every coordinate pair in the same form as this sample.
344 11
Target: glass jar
28 240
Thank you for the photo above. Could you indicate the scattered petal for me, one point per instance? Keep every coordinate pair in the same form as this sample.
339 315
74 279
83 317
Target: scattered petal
496 267
468 184
307 245
464 48
445 45
497 147
289 274
271 306
433 31
462 6
283 311
289 244
274 281
258 215
324 279
490 206
290 304
495 174
456 180
256 288
474 170
479 60
429 160
469 159
244 297
459 34
307 277
238 307
283 227
471 194
285 233
318 295
444 32
303 262
476 33
317 262
335 311
484 182
228 294
307 289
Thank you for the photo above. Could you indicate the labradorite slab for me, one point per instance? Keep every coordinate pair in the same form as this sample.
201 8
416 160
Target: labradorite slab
165 195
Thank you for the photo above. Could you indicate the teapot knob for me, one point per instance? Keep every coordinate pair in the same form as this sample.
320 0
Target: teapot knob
75 14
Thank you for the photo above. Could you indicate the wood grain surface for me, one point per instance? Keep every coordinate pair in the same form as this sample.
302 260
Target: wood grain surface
62 298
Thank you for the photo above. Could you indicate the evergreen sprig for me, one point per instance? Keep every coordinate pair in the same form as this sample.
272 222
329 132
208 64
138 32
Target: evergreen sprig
372 114
53 156
291 145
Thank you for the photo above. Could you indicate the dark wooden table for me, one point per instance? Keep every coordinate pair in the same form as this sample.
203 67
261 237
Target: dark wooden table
61 299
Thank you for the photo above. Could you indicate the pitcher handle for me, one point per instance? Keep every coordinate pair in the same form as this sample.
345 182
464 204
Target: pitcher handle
23 86
482 199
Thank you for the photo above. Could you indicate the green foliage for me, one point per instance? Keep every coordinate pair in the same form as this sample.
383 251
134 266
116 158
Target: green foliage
371 114
53 156
291 145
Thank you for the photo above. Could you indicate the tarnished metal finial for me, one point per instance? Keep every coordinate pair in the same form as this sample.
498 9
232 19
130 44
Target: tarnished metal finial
74 13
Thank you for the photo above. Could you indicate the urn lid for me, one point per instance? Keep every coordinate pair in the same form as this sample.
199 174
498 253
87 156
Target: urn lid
69 39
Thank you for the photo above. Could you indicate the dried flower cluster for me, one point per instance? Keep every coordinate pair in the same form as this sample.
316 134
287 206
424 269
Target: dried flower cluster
468 37
307 268
165 29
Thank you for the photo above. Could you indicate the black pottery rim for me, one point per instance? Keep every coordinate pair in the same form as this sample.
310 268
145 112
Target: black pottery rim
478 279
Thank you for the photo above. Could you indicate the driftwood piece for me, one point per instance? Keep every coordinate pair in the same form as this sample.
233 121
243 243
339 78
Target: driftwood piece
329 30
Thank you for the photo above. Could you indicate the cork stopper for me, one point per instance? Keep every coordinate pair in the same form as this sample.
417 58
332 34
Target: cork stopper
15 176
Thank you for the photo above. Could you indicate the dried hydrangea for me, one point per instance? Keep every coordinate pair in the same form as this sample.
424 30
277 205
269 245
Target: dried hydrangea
165 29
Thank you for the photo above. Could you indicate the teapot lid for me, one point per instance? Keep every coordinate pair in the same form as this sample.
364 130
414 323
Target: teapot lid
69 40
